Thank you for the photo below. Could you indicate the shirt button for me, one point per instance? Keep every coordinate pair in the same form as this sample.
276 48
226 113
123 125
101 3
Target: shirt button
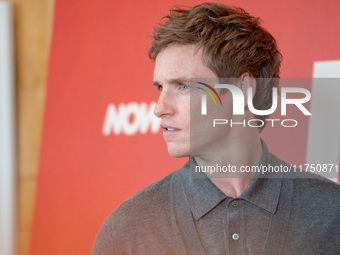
235 236
234 203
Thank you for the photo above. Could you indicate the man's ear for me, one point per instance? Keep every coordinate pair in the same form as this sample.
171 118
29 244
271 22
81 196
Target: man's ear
247 82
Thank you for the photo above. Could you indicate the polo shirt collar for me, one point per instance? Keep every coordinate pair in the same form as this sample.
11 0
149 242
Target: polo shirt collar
203 195
264 189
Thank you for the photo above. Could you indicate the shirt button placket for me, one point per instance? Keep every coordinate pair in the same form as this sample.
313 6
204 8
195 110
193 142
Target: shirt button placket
234 227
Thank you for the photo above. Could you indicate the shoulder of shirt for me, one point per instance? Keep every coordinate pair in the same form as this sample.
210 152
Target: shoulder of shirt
307 182
314 186
311 193
153 200
141 216
310 184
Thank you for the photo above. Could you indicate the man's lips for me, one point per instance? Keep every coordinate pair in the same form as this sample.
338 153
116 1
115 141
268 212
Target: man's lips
169 130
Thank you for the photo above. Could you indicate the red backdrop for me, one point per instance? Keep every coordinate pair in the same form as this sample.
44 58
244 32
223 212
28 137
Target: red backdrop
99 58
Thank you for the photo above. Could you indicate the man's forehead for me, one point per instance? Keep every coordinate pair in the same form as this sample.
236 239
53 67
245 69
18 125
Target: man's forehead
178 63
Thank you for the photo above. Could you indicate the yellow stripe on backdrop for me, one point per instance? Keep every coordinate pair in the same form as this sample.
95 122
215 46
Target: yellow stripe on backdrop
32 32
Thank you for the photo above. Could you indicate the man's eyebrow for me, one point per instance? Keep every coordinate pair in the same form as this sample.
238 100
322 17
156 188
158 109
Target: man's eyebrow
173 81
156 83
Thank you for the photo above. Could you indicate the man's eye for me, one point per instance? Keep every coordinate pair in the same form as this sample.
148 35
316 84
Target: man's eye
159 88
184 86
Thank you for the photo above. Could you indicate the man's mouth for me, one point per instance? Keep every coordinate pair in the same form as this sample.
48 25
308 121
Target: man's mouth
168 127
169 130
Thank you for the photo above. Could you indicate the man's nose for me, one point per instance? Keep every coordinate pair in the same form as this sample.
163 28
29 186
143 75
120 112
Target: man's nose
164 106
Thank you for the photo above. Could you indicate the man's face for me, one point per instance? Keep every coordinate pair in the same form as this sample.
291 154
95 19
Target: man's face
174 66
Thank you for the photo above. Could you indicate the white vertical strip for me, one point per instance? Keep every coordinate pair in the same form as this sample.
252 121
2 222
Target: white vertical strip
324 125
7 132
204 104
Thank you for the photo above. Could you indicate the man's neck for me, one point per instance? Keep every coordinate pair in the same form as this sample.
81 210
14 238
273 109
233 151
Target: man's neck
236 155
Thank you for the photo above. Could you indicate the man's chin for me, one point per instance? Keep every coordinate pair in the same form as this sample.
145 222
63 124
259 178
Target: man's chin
180 156
178 153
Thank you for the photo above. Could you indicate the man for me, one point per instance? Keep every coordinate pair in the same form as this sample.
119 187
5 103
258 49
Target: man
200 212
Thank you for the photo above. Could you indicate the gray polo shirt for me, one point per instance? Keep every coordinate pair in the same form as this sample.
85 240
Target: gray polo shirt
187 214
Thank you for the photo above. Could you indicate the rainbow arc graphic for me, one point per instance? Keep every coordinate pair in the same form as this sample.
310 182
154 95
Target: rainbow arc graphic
204 97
